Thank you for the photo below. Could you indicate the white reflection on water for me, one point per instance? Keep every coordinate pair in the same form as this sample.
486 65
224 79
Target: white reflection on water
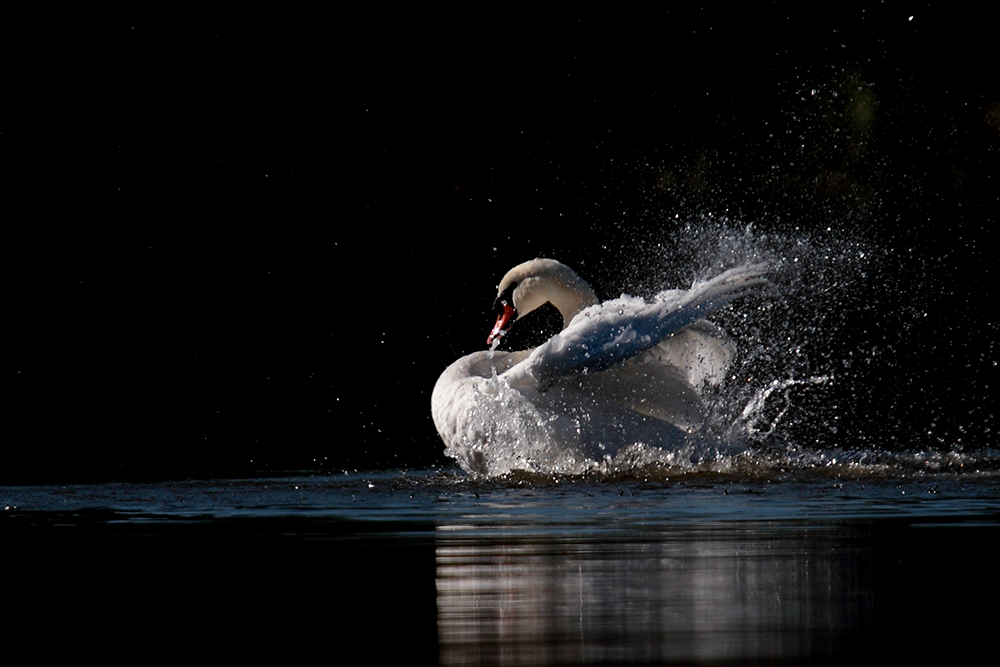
429 565
720 592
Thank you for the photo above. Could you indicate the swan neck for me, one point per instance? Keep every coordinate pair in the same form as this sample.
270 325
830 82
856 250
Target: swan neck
542 281
571 302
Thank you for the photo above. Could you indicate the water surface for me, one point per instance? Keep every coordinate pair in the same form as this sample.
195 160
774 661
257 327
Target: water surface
436 566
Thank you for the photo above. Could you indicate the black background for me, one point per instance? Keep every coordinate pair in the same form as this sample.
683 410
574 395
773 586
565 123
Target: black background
247 244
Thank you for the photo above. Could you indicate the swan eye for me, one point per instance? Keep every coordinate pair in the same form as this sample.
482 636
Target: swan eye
505 299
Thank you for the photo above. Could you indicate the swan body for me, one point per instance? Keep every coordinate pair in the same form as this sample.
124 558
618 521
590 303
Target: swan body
620 373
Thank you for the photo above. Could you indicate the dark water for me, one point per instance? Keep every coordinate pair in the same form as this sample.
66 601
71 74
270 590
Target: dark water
432 566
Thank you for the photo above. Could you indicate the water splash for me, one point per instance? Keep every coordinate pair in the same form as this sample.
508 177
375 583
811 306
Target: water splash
754 410
824 379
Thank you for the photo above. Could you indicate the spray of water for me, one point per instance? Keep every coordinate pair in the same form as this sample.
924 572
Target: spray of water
821 381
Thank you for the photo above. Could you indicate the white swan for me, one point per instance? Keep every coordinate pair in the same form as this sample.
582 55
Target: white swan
621 372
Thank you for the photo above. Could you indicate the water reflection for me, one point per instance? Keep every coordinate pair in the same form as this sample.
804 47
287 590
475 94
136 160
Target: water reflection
690 593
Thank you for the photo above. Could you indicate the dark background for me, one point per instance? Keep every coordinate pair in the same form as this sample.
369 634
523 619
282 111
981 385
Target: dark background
244 245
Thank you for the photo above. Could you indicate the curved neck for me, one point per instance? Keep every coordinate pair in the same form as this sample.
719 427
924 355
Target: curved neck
561 287
570 302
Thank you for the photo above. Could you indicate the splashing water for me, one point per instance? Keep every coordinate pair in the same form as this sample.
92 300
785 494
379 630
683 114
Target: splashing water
754 410
814 386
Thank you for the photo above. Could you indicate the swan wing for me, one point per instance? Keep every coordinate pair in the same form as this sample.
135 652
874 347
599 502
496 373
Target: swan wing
660 391
701 351
607 334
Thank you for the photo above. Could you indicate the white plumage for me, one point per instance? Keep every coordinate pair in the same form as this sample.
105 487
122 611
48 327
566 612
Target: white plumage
620 373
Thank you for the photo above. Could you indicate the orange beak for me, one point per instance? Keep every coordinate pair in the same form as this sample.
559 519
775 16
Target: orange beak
504 319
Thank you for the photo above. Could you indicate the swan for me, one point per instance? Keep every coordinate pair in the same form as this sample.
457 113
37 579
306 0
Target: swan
619 373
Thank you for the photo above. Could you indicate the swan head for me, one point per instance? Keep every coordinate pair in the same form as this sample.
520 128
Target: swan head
533 284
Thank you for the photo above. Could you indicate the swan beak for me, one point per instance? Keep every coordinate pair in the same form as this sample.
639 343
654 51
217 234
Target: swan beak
504 319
